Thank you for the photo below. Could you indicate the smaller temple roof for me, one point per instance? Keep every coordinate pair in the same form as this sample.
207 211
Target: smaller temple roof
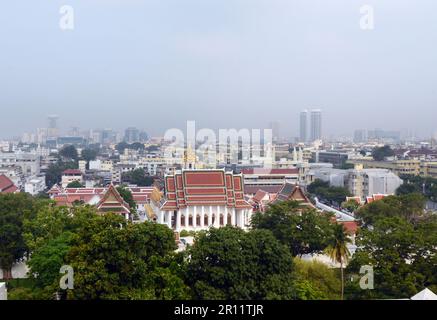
294 192
112 201
6 185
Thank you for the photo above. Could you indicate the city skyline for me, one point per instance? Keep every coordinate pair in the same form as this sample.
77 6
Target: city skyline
245 64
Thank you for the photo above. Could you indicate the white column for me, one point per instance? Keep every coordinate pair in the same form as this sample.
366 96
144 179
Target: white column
161 217
225 220
239 214
187 213
195 217
178 220
169 219
210 216
242 218
233 214
202 217
217 218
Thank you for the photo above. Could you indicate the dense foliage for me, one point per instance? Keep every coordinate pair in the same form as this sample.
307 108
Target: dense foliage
138 177
302 229
417 184
229 263
380 153
333 195
399 240
117 259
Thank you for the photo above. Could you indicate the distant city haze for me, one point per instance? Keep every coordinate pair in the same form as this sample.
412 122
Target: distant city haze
154 64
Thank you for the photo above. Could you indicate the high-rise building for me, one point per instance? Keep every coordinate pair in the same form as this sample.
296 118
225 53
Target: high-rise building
274 126
304 126
316 124
360 136
52 130
131 135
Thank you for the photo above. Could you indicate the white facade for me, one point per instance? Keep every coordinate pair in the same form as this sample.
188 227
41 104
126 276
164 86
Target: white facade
67 179
35 185
206 217
360 182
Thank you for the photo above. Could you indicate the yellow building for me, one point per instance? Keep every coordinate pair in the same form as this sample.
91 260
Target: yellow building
399 167
428 169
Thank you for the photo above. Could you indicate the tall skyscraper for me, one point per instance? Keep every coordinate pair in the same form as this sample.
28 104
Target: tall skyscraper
304 126
52 130
360 136
274 126
316 124
131 135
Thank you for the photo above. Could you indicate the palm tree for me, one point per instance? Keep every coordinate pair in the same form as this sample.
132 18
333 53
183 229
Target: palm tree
337 250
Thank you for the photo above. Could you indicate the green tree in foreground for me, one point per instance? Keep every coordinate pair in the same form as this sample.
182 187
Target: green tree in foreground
302 229
229 263
116 259
338 252
14 208
399 240
315 281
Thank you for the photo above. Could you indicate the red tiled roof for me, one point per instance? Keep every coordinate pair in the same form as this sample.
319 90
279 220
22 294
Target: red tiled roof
67 196
283 171
6 185
72 171
113 202
293 192
356 199
204 187
259 195
350 227
375 197
270 188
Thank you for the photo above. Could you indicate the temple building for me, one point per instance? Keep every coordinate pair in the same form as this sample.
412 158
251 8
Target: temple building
198 199
108 199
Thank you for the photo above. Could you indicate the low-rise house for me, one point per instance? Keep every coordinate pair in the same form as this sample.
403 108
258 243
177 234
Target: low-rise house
71 175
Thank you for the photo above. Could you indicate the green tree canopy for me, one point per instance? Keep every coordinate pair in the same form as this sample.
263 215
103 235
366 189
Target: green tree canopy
116 259
138 177
399 240
89 154
55 170
75 184
14 208
315 281
127 196
302 229
69 152
379 153
229 263
408 206
322 190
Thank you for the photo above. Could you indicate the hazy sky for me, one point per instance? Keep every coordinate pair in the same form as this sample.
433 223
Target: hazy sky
225 63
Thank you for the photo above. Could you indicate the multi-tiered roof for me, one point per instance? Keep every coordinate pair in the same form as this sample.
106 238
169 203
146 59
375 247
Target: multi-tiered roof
212 187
